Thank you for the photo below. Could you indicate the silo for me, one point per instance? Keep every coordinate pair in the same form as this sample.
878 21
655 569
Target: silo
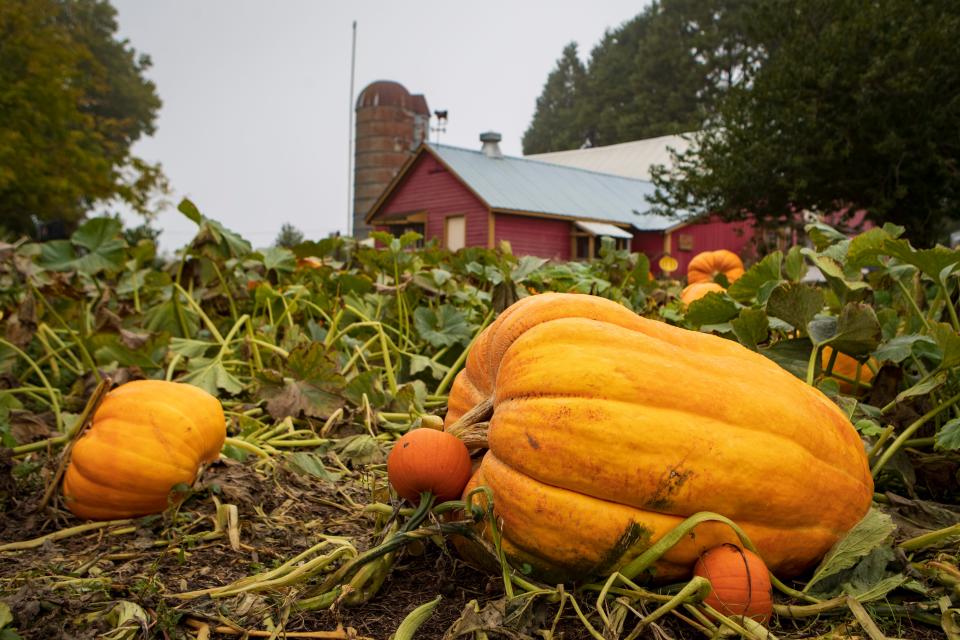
391 124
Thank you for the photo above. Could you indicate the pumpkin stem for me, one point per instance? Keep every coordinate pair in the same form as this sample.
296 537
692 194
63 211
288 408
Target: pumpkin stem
481 412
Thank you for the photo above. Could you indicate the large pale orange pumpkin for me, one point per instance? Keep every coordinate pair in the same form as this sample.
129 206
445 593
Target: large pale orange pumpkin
146 437
697 290
609 429
707 265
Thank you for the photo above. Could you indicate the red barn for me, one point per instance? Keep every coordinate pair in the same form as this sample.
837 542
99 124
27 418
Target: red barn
469 198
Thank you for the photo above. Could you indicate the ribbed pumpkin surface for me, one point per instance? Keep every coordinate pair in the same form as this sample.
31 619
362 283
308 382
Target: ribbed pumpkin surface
609 429
146 437
708 264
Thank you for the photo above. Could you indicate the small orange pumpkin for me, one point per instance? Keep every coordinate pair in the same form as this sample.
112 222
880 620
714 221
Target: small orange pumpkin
429 460
741 582
846 366
146 437
697 290
707 265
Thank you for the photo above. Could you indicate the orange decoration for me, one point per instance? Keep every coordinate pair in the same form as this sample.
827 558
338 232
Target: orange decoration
697 290
146 437
741 582
429 460
707 265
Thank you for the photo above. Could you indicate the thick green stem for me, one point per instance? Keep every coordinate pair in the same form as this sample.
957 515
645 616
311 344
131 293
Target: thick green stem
51 393
909 431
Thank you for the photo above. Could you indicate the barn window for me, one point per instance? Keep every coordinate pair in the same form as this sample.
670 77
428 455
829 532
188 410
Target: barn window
455 232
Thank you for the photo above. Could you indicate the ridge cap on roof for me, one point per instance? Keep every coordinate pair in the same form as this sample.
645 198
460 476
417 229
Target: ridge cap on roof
552 165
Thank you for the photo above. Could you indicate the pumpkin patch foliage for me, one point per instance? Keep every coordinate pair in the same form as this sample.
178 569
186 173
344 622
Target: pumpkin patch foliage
352 441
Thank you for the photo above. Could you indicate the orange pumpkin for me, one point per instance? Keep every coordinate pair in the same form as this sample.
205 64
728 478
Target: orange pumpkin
429 460
740 580
697 290
608 429
146 437
846 366
707 265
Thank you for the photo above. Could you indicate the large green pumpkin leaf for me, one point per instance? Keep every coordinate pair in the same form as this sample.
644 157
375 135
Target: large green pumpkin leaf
713 308
948 437
751 327
796 304
866 536
749 285
855 332
444 327
310 384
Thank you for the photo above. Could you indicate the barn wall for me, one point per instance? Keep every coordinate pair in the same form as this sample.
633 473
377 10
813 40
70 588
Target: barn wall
429 187
541 237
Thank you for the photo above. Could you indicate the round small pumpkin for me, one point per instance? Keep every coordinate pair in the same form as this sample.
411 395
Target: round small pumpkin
846 366
697 290
429 460
741 582
146 437
707 265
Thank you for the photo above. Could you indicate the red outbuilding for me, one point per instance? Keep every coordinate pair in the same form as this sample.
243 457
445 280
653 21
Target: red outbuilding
478 198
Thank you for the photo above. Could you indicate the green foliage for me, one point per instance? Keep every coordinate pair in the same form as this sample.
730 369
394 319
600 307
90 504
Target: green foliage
289 236
659 73
830 119
74 101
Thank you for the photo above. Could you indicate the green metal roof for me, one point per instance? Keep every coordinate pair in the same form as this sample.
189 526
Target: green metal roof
519 184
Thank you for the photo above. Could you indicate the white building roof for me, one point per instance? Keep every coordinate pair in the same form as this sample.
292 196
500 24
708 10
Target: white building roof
627 159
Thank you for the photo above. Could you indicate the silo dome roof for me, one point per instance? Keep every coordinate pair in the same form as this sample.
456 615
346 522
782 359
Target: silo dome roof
383 93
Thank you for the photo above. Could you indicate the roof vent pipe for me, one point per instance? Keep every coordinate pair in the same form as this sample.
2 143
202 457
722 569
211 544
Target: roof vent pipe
491 146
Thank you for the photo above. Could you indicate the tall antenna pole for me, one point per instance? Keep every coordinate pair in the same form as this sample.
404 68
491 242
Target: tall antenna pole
353 62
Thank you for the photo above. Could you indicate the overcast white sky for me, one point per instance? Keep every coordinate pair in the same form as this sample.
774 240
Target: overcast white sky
254 124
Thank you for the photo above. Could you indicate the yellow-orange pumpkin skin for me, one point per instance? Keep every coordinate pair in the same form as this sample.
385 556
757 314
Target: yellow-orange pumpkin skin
609 429
146 437
846 366
428 460
707 265
740 580
697 290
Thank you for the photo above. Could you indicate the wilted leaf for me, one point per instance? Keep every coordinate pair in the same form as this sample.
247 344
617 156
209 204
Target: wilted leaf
310 464
713 308
750 327
526 266
923 388
187 208
868 534
104 246
794 266
948 437
442 328
796 304
747 287
190 348
360 449
310 384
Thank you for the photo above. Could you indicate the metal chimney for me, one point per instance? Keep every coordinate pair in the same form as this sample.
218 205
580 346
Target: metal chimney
491 146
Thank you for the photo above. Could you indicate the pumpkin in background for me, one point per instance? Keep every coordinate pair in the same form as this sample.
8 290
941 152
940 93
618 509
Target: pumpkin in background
146 437
429 460
741 582
697 290
707 265
609 429
846 366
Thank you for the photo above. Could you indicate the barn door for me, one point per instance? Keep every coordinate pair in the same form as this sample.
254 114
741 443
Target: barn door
456 233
